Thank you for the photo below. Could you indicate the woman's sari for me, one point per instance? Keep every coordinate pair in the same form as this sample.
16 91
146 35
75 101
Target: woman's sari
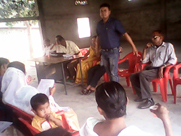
86 65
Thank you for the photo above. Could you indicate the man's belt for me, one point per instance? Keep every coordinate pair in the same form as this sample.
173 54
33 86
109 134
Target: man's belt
109 49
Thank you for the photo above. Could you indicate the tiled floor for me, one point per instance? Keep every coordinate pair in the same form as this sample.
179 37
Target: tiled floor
85 106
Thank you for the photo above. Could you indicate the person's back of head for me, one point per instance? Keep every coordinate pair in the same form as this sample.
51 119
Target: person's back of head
18 65
111 98
3 65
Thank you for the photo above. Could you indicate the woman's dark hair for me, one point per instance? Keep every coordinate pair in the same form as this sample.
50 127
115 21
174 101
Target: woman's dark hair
37 100
59 38
105 5
18 65
3 61
111 98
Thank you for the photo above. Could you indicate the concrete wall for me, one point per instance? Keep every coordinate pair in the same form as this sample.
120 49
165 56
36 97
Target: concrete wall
139 17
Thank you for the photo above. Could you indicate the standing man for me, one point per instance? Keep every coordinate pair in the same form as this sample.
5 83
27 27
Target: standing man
109 31
161 55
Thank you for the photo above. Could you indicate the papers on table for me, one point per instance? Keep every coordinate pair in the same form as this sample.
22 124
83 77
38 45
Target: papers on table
4 125
44 86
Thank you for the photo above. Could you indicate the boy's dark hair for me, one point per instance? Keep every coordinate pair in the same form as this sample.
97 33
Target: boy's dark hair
37 100
3 61
18 65
105 5
111 98
59 38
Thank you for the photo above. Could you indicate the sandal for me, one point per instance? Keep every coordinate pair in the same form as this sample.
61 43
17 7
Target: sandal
90 91
84 91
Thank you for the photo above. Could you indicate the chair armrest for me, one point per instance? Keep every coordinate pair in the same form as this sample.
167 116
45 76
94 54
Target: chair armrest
122 60
175 71
95 61
142 65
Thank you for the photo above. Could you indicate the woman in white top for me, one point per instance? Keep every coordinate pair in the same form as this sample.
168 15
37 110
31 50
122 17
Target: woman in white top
111 100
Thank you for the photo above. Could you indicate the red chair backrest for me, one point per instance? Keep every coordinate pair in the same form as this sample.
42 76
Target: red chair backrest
84 51
132 60
19 113
176 71
33 130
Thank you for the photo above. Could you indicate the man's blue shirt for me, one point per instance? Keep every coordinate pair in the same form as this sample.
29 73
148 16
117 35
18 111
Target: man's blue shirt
109 33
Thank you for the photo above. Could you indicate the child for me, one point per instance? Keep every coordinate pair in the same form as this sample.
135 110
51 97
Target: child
44 118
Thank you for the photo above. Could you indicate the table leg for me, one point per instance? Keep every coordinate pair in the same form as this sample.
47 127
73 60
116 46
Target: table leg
64 80
81 72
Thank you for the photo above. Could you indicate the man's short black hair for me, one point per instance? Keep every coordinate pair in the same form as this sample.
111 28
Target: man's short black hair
59 38
105 5
159 31
37 100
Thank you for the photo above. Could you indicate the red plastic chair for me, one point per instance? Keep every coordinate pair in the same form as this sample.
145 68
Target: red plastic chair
176 80
84 51
132 60
33 130
19 113
162 82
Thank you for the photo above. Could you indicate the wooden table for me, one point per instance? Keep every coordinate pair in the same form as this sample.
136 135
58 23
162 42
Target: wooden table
60 60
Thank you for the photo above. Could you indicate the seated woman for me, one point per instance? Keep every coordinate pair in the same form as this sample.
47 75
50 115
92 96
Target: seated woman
88 63
18 93
111 100
94 74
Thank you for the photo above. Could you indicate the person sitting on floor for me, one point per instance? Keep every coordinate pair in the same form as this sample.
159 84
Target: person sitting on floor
161 54
44 118
111 103
86 64
68 47
18 93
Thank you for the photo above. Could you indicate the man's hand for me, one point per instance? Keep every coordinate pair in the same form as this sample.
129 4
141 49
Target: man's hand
161 112
135 52
148 45
160 72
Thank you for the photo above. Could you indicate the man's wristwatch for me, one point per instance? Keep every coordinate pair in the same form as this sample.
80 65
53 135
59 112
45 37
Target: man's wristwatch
164 65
